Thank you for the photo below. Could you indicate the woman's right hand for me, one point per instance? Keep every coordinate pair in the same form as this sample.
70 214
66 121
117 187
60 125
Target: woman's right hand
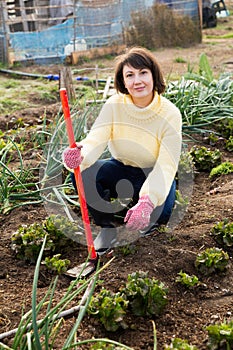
72 157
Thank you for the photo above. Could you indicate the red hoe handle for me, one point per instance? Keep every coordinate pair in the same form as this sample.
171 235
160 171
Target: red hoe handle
78 177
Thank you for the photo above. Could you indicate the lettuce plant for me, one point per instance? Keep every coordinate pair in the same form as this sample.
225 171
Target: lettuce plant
27 240
220 336
141 295
57 265
229 144
223 232
222 169
225 127
204 158
110 308
187 280
212 260
146 296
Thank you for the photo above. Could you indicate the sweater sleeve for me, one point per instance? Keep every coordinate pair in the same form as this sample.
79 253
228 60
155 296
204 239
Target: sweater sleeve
159 181
97 139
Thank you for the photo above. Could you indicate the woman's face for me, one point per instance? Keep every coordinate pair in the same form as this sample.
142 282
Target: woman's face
139 83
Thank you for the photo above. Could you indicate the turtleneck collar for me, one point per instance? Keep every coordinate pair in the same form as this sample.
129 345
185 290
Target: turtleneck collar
143 113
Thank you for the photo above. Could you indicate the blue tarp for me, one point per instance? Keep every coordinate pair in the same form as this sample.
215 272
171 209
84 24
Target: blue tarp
51 41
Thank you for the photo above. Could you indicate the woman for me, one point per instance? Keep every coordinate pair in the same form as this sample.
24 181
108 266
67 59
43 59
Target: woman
142 130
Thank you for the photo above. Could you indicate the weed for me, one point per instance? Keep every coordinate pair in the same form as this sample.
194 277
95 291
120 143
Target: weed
84 59
13 105
180 344
180 60
2 144
161 21
172 238
29 92
10 84
224 36
48 95
127 249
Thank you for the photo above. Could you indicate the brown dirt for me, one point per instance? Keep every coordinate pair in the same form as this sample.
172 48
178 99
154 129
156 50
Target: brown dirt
163 255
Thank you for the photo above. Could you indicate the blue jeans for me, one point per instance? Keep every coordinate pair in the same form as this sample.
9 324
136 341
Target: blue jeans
110 179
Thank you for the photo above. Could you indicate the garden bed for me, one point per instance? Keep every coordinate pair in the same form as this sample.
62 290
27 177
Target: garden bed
162 254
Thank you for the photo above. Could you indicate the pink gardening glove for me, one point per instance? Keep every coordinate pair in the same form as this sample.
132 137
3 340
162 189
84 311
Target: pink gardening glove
72 156
138 217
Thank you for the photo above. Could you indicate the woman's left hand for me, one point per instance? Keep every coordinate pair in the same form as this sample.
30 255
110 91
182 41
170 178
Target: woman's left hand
138 217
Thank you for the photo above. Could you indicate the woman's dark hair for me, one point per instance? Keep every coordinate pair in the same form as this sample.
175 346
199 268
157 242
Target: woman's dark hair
138 58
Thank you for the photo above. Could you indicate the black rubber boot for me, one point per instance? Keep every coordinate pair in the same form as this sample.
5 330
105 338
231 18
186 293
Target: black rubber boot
106 239
107 236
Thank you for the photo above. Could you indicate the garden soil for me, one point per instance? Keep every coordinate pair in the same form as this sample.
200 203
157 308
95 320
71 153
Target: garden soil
163 254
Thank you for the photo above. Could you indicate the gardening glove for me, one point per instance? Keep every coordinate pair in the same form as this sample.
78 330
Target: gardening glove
72 157
138 217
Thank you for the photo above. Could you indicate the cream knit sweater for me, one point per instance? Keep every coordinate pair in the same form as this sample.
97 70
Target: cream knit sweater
140 137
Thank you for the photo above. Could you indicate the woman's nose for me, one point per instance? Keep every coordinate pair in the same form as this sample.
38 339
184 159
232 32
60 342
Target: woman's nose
137 79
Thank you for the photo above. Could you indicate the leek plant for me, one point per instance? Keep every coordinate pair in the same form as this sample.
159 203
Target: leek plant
202 99
29 186
17 186
41 333
56 188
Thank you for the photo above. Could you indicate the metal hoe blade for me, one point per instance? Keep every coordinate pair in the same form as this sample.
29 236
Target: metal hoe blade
83 270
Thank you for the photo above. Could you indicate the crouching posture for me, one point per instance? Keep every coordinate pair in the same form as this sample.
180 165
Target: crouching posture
142 130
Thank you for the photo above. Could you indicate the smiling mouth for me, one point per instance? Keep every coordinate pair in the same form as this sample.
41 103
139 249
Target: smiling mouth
139 88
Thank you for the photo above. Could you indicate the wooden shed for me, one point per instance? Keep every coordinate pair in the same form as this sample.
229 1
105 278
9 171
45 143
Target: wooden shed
25 15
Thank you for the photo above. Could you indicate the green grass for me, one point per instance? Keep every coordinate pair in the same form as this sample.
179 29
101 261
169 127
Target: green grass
180 60
224 36
31 92
11 104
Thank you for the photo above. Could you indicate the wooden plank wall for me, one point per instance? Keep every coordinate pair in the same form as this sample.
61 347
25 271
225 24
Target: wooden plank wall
34 15
26 15
42 9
